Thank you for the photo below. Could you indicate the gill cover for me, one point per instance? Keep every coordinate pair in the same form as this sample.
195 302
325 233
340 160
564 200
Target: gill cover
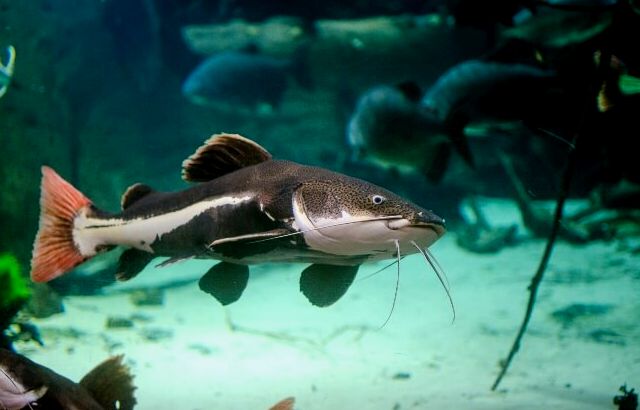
343 219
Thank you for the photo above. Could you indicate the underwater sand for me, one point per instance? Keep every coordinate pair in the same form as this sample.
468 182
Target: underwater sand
339 358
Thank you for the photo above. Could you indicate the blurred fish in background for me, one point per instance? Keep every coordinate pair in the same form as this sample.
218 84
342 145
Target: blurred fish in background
487 92
244 79
402 126
540 83
389 128
558 28
6 69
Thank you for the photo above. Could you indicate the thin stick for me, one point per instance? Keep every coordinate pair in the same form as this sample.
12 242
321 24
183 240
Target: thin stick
537 278
562 196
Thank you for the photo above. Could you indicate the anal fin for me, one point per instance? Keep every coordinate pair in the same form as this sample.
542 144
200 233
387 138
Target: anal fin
323 285
111 384
131 263
225 281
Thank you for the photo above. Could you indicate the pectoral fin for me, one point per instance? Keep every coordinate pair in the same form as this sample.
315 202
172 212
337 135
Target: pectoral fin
173 260
238 247
258 236
323 285
131 262
225 282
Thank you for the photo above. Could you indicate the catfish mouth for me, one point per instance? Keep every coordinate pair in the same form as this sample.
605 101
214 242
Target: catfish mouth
422 220
438 229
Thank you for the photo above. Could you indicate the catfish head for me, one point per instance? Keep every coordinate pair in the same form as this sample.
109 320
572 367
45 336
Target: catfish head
351 217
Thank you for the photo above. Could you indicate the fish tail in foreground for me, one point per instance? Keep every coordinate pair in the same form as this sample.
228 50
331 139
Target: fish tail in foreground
286 404
55 251
111 384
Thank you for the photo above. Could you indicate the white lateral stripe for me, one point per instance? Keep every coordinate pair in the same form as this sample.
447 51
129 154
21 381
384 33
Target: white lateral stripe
135 232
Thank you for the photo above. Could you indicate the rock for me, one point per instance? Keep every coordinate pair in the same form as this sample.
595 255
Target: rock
401 376
115 322
147 297
569 314
44 301
155 334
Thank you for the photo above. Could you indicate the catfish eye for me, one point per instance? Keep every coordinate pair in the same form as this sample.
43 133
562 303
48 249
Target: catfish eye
377 199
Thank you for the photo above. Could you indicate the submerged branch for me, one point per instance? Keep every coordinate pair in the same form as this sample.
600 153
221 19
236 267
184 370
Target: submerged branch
563 193
314 344
537 278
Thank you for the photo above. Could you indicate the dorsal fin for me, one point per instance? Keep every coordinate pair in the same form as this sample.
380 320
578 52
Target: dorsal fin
134 193
111 384
220 155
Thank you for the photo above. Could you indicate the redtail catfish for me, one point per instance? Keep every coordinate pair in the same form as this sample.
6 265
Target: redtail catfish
245 208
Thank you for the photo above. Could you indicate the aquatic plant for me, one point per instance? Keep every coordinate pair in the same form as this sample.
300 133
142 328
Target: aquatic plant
628 400
14 291
13 286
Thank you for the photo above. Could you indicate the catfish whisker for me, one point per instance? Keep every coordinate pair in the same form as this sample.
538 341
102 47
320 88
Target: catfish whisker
380 270
381 218
395 294
439 274
9 378
435 261
14 385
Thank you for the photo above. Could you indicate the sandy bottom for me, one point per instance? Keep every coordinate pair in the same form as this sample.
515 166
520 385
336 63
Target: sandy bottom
272 343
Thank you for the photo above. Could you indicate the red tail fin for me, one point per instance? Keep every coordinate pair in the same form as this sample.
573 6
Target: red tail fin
54 251
286 404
